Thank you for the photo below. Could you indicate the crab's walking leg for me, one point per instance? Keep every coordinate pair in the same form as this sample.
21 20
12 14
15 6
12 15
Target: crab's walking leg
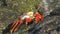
19 24
14 25
26 25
